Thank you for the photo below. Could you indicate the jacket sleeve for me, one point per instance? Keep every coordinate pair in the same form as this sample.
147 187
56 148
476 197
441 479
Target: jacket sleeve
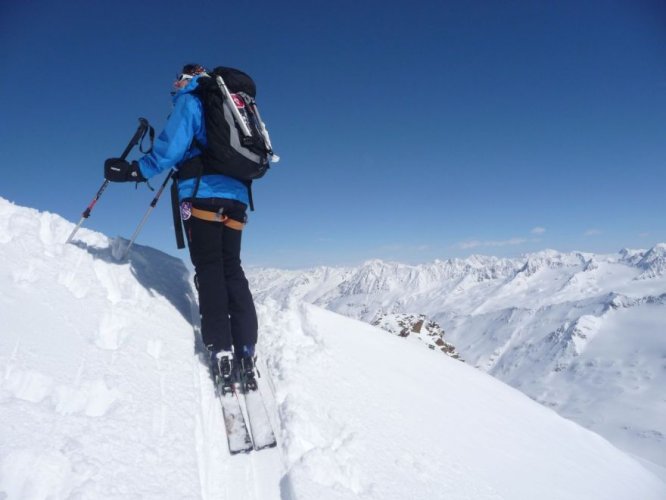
175 140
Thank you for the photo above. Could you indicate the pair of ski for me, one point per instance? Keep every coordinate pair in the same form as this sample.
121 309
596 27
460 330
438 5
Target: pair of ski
238 433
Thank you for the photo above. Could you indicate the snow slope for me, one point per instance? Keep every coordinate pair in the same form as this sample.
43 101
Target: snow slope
103 394
581 333
399 421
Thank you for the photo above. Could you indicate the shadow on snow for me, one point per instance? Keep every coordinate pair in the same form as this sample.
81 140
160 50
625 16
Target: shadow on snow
156 271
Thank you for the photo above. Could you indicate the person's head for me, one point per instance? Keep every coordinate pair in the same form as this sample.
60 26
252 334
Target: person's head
188 72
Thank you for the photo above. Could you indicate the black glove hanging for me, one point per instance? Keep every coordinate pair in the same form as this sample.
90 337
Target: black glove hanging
118 170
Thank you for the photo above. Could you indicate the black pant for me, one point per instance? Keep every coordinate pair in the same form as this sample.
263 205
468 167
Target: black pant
228 316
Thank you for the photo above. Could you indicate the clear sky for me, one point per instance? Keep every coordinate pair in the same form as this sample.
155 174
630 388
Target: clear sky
408 130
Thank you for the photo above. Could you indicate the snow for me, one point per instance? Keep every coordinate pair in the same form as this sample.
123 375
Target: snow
104 393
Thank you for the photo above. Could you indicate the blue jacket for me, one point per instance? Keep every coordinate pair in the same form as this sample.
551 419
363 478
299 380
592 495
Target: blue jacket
174 146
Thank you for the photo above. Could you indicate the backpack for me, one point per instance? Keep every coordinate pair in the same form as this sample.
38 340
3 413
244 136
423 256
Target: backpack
238 142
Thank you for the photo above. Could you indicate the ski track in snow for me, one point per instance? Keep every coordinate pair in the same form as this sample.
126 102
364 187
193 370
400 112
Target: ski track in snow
253 476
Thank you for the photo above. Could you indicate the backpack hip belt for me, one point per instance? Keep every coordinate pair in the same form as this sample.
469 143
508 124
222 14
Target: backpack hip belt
217 217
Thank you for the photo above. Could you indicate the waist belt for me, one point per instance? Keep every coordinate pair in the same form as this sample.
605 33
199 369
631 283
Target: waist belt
217 217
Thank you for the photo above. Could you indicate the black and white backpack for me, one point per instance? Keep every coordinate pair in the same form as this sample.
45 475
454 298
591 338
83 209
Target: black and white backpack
238 143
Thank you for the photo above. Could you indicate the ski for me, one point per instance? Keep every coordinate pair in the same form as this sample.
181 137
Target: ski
257 414
238 437
260 424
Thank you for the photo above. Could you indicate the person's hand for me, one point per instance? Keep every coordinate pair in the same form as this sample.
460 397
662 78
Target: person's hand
118 170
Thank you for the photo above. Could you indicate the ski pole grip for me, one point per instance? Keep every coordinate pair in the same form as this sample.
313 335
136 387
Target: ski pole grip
143 126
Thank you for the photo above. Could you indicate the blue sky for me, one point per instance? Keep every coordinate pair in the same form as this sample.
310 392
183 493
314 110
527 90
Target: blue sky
408 130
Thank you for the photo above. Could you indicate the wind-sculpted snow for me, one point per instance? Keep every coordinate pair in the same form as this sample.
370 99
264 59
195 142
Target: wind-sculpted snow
547 323
91 380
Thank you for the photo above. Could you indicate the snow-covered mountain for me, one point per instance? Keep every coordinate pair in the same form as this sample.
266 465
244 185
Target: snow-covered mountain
584 334
103 394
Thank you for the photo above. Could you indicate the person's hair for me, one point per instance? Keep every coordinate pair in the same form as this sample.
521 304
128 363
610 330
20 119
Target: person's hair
193 69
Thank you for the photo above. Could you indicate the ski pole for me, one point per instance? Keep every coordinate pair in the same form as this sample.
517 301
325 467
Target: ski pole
138 135
148 212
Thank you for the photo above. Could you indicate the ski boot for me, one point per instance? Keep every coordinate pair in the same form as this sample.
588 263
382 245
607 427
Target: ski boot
245 365
223 362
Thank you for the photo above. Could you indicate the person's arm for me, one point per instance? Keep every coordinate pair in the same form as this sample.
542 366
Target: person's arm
175 140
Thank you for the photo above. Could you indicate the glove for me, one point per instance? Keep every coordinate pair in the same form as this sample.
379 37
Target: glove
117 170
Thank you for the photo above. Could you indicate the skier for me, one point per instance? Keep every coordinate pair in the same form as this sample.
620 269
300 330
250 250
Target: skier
213 209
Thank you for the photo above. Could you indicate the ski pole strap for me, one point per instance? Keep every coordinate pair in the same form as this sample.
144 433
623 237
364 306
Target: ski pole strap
217 217
150 132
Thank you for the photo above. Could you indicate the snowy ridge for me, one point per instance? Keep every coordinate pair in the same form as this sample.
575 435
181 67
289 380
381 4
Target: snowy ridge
104 394
547 323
